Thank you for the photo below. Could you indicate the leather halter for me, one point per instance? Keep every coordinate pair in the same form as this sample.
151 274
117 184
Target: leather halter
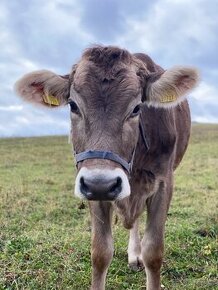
96 154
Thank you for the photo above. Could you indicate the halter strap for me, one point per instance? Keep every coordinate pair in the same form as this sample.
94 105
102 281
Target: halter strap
95 154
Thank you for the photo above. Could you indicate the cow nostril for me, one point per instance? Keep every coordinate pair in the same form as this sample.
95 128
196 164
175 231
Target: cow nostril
100 188
83 186
116 188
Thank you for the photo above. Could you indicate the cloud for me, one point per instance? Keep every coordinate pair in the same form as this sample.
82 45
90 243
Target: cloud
11 108
205 93
203 100
176 30
46 32
52 34
106 20
28 121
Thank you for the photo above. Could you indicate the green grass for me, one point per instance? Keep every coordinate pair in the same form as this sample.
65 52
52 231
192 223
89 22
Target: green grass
45 234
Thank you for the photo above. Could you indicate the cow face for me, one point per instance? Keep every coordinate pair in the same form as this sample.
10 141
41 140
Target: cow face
105 101
104 92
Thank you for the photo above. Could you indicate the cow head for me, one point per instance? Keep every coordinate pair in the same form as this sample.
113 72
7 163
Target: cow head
105 91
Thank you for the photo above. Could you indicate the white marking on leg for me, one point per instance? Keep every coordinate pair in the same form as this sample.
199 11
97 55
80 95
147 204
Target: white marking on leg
134 248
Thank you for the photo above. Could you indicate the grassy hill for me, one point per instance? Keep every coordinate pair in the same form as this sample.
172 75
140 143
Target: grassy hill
45 232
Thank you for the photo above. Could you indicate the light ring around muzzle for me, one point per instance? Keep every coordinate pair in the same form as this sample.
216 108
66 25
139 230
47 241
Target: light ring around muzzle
95 154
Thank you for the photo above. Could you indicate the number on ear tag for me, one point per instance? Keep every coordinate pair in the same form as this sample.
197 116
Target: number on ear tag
168 99
51 100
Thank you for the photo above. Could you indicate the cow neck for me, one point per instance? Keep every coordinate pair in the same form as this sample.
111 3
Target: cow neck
98 154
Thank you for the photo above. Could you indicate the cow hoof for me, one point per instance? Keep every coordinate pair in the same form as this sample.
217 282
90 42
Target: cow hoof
137 265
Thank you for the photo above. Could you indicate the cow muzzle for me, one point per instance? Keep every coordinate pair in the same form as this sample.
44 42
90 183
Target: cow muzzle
98 184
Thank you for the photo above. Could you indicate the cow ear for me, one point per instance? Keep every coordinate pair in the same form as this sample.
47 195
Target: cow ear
168 88
44 88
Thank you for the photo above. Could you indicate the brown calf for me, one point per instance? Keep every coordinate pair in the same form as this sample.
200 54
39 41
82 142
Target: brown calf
130 129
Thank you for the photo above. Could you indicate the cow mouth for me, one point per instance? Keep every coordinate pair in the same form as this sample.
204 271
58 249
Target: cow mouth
93 184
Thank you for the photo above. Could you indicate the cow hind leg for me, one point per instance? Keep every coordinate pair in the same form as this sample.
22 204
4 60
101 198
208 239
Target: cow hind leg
134 249
153 240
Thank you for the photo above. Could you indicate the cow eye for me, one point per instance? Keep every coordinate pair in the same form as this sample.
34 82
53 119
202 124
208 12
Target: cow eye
73 107
135 112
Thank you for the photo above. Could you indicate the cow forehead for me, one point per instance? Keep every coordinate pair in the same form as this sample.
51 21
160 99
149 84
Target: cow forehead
117 82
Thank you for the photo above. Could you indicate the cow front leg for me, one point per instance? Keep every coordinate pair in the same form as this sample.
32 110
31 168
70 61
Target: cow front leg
134 248
102 242
153 239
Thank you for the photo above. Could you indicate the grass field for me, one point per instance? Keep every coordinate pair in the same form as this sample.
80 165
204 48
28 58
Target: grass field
45 233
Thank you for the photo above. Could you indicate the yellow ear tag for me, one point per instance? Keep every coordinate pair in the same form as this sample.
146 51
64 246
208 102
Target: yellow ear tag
51 100
168 99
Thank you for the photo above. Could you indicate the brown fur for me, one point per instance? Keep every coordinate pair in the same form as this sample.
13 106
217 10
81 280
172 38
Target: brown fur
109 80
107 83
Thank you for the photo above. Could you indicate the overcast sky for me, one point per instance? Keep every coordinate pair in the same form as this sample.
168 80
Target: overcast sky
51 34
